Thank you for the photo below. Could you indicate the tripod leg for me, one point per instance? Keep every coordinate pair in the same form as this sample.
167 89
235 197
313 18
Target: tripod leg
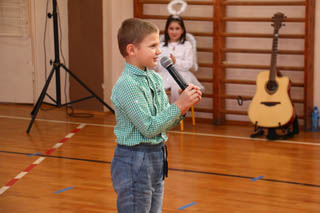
40 100
87 88
43 93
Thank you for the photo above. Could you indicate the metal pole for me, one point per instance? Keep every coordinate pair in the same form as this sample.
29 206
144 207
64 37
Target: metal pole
56 62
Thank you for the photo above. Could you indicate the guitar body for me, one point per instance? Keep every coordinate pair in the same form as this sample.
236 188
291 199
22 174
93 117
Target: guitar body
271 110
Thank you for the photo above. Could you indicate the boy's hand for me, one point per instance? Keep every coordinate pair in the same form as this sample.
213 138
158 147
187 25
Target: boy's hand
189 97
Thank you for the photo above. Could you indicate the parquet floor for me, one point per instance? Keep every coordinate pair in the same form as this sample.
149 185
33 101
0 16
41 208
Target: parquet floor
63 165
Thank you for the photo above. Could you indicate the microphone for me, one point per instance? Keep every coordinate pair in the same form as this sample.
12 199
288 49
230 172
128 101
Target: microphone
167 63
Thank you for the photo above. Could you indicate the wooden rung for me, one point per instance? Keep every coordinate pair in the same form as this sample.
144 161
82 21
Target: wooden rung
262 67
238 112
233 81
206 95
185 18
236 3
262 35
297 84
300 101
235 112
202 34
248 98
264 3
256 19
205 65
207 80
260 51
245 98
167 2
205 50
203 110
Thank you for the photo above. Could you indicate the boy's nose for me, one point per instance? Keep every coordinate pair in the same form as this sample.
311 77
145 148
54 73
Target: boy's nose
158 52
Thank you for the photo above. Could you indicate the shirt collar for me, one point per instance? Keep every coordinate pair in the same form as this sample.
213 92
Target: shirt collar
129 68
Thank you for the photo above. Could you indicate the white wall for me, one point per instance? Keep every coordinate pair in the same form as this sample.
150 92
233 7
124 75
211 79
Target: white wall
16 72
115 11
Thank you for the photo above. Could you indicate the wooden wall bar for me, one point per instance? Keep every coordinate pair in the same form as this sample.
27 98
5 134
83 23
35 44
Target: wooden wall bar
218 58
220 72
309 62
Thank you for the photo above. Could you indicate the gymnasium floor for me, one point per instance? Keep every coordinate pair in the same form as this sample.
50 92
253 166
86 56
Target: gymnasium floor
63 165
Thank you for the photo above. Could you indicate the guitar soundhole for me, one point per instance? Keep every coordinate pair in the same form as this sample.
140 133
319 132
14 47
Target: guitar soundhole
272 87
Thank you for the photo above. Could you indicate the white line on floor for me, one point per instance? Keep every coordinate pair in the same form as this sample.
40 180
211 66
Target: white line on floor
174 132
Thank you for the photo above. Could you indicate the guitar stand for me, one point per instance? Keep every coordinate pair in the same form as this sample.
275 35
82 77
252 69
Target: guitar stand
272 133
258 131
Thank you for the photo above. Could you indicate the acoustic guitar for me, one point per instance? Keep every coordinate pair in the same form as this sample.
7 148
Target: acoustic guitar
271 105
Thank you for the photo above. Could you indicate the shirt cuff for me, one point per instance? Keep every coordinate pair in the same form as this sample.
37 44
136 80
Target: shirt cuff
176 108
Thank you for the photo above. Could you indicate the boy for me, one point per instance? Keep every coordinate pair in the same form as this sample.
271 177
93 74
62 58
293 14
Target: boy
143 115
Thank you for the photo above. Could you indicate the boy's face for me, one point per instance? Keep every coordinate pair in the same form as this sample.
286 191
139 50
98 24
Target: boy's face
147 52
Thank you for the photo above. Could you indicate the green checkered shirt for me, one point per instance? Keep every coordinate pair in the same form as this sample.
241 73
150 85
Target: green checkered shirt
143 112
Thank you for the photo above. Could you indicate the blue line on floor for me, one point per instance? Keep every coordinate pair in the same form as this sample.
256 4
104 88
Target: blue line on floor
62 190
257 178
34 154
186 206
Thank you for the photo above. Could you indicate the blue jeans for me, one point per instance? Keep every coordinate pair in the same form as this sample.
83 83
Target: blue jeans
137 178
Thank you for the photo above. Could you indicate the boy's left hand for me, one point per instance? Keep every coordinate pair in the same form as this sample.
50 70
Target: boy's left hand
190 96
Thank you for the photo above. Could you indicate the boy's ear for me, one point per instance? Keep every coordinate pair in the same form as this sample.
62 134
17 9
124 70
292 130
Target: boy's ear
131 49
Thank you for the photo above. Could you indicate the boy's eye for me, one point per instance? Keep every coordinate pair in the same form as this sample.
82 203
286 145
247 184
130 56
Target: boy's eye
153 46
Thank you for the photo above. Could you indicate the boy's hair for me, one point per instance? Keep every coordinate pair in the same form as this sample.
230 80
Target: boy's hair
179 20
133 31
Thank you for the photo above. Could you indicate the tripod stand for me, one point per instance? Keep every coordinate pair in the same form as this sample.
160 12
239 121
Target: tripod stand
56 70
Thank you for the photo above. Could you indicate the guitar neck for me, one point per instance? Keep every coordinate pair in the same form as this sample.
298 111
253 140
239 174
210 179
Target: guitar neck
273 67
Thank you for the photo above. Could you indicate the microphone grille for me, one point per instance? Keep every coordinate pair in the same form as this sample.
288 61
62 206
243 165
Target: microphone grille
165 61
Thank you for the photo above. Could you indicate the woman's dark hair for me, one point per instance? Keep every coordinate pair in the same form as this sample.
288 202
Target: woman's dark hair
179 20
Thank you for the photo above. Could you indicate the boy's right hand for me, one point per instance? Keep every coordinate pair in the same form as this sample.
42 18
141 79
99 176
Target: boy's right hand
189 97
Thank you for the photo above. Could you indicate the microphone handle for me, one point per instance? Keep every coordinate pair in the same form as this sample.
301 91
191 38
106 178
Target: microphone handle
177 77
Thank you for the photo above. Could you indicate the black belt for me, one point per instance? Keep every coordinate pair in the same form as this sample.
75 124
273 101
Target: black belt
151 148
